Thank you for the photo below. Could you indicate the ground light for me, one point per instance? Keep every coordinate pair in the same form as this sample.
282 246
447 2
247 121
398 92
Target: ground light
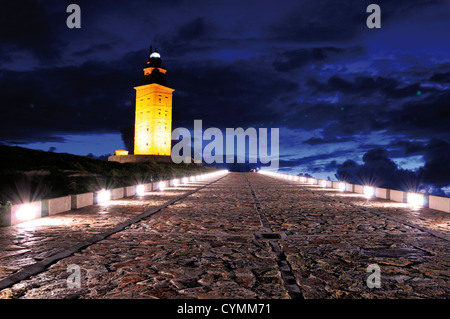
175 182
103 196
368 191
140 190
161 186
342 187
26 212
324 183
415 200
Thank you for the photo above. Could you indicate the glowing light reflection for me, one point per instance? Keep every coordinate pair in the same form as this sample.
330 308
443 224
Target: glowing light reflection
140 190
103 196
415 200
368 191
26 212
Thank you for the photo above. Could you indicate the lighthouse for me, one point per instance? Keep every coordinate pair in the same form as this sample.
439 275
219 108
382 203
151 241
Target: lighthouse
153 116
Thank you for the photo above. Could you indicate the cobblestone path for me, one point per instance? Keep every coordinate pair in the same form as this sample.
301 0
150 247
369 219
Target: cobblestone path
242 236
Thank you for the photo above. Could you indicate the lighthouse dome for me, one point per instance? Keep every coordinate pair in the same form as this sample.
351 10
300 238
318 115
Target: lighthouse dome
155 55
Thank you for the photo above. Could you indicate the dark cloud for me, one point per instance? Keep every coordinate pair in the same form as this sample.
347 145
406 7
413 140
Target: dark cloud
294 59
321 21
365 86
409 147
85 99
330 21
318 140
99 97
31 26
427 117
436 170
311 160
188 39
193 30
379 170
248 94
415 116
442 77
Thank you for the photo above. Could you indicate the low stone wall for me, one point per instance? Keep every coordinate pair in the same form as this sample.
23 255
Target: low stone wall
397 196
23 212
117 193
129 191
56 205
148 187
82 200
439 203
349 188
382 193
358 189
434 202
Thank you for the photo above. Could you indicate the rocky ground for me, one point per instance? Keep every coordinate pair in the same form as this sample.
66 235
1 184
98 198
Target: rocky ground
243 236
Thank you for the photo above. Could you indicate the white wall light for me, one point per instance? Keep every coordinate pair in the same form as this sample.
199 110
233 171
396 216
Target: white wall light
140 190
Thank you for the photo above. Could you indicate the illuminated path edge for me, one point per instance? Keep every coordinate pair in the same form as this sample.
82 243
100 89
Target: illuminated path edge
424 229
43 264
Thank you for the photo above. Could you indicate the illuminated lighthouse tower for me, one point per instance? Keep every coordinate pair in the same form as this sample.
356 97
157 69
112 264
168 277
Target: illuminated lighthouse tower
153 124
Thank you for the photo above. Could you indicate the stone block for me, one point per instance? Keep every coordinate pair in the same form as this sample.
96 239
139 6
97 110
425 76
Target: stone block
117 193
82 200
358 189
349 187
148 187
397 196
56 205
130 191
439 203
382 193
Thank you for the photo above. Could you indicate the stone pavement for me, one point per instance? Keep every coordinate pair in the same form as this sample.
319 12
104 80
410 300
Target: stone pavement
243 236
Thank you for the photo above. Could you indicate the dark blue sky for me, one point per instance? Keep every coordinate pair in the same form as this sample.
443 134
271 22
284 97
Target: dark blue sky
335 88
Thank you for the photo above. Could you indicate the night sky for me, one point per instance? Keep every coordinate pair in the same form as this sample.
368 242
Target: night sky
335 88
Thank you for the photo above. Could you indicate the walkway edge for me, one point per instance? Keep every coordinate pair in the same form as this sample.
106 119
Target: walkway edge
43 264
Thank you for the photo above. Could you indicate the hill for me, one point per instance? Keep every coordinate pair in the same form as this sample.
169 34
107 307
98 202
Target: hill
27 174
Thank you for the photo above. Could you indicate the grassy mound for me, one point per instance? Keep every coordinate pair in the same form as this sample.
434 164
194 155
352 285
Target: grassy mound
33 175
